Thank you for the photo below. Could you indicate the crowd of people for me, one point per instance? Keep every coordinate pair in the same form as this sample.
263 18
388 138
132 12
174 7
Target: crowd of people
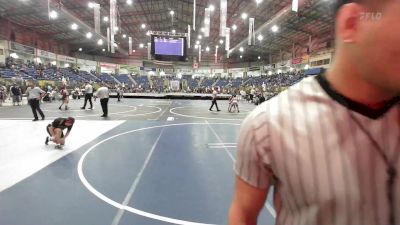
253 89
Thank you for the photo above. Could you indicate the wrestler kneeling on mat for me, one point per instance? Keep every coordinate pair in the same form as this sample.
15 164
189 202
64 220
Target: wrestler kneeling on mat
55 129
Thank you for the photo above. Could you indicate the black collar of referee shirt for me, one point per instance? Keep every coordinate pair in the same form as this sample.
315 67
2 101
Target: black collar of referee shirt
353 105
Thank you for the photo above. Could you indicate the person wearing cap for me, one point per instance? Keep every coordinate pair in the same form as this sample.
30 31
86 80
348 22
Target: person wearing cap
55 130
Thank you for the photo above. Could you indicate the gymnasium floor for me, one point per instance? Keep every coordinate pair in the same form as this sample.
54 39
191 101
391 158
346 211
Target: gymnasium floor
151 162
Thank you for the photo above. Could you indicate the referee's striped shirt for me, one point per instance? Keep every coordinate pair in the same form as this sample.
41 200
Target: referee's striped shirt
326 156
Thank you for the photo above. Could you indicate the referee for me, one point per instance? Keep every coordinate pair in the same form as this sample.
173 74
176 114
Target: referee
88 95
35 94
330 145
103 94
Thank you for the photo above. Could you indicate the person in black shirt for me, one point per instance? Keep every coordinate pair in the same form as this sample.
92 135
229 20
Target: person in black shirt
16 94
55 130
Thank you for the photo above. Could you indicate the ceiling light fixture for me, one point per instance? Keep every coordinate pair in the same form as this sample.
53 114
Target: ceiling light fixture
89 35
274 28
53 14
74 26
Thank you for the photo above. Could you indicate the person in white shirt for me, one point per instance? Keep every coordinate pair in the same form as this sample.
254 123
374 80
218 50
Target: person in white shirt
214 100
88 95
329 145
103 95
35 94
119 93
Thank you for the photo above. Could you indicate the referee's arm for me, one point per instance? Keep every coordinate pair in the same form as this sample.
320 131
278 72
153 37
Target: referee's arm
247 203
253 171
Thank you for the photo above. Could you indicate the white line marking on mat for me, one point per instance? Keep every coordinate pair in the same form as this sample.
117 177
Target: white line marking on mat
159 116
220 140
128 196
221 143
106 199
200 117
223 146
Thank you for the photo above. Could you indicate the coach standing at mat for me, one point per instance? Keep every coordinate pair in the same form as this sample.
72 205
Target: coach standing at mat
330 144
35 94
88 95
103 95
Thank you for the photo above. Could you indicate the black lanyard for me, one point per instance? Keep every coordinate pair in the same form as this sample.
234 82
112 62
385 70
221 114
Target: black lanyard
391 167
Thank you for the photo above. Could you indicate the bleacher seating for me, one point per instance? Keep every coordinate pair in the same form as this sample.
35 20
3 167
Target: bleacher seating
222 82
10 73
72 76
192 83
124 78
158 82
207 82
89 76
142 81
236 82
107 78
314 71
270 85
